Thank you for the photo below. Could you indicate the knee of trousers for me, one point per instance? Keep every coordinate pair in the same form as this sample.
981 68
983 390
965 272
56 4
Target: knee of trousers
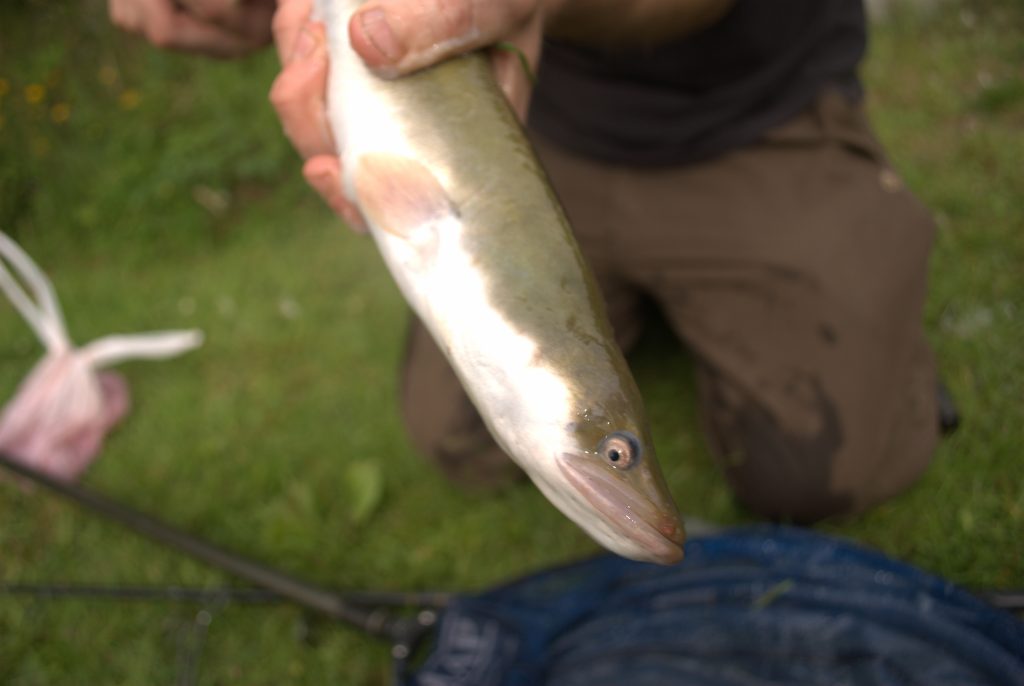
450 434
442 430
425 433
786 483
843 469
433 405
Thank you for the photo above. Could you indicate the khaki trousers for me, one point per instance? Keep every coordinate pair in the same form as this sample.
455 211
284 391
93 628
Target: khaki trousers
795 270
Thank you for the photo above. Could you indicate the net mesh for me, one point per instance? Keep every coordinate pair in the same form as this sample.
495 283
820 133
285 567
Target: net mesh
751 606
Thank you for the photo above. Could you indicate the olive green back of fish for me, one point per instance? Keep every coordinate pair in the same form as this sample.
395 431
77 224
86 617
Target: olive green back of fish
515 226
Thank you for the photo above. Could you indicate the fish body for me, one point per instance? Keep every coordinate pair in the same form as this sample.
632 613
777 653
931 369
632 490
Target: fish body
476 240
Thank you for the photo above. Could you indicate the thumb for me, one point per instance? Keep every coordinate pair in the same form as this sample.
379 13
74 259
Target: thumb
398 36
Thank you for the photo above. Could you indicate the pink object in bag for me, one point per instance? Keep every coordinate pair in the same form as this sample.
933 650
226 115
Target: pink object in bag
61 412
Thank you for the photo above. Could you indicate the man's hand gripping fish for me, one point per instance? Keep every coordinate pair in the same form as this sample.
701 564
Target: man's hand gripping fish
475 238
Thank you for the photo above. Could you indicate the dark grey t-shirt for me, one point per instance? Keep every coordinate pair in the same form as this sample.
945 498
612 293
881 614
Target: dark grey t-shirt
700 96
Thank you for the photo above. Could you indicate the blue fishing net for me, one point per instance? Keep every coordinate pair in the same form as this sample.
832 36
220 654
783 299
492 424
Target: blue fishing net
750 607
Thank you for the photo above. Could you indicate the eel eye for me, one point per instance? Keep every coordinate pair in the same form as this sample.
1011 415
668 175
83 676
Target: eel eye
620 449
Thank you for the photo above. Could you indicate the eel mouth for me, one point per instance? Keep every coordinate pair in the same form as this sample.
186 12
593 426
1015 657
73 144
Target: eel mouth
651 524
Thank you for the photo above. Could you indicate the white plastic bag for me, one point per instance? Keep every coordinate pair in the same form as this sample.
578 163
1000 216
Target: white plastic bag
61 412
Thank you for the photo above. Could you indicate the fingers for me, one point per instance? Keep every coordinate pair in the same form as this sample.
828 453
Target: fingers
393 37
164 25
290 18
323 173
514 77
246 17
398 36
513 81
298 94
210 10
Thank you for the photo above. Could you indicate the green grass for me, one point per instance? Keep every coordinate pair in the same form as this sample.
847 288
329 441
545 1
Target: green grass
157 192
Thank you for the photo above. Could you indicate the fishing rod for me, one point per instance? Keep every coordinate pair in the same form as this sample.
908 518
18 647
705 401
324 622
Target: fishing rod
187 594
216 594
371 612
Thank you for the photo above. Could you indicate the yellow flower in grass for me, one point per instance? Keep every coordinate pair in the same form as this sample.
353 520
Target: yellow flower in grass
129 99
5 87
34 93
60 112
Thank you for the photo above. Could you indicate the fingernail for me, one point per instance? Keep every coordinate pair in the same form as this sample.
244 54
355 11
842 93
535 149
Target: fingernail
305 44
375 25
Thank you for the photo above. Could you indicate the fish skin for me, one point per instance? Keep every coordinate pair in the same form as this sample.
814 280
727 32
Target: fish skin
476 240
